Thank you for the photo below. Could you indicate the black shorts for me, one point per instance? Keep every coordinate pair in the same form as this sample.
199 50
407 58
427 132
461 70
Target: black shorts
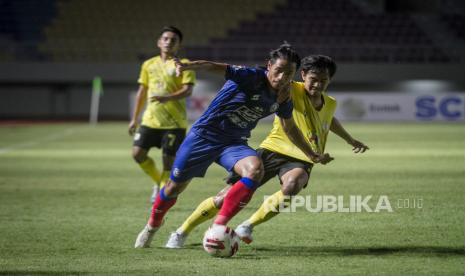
274 164
168 140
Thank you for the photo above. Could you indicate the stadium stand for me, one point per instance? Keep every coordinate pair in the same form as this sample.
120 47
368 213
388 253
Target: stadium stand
337 28
122 31
21 25
125 31
456 22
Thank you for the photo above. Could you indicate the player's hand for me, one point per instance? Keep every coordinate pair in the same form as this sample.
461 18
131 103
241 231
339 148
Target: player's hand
315 157
284 93
325 159
132 127
161 99
358 146
321 158
180 67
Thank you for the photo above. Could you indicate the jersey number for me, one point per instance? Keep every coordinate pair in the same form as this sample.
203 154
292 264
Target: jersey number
171 138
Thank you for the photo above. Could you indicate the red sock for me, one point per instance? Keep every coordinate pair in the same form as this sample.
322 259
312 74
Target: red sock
161 205
236 199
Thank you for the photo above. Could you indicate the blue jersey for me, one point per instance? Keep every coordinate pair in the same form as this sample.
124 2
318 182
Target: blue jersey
243 100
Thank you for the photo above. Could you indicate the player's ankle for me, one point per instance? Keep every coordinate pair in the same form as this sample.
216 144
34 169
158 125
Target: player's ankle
247 223
179 231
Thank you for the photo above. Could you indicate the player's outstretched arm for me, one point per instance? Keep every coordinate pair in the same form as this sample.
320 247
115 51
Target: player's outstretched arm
296 137
337 128
200 65
140 103
184 92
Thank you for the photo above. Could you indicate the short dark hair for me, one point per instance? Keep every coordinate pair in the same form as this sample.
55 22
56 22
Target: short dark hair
285 51
319 63
173 30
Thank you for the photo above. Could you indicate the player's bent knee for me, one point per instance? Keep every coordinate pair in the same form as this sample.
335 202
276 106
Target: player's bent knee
138 159
292 186
255 172
139 155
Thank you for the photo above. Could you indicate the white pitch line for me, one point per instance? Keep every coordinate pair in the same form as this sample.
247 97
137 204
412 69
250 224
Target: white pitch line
36 142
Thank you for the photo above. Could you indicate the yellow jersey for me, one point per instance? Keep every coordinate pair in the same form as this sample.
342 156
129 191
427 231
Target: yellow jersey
160 79
313 124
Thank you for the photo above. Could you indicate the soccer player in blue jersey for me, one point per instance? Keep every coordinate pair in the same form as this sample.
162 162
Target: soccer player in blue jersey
220 134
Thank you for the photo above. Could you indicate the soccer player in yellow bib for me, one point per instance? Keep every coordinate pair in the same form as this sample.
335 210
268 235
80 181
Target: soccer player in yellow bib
164 121
314 115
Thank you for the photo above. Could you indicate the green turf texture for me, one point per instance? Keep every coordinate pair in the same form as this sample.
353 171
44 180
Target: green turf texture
72 201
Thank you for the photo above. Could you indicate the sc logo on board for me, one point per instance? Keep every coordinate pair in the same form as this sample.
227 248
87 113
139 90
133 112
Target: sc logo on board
449 107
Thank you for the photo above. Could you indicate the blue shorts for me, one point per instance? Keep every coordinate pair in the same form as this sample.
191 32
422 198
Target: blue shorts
196 154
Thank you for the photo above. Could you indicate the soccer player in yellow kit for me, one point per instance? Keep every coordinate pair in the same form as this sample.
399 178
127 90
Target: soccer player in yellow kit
164 121
314 115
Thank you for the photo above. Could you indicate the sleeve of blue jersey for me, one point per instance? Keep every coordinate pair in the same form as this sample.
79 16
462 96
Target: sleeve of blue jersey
285 110
239 74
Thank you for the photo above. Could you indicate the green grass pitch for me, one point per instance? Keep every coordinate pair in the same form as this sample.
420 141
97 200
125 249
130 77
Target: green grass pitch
72 202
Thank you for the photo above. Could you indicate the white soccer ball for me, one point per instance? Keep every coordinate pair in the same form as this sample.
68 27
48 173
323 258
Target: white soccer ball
220 241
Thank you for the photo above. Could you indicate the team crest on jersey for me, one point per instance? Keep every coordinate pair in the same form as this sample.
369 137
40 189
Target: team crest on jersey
274 107
176 172
255 97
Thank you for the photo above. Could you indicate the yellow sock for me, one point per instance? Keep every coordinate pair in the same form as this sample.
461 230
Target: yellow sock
205 211
164 178
148 166
266 211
